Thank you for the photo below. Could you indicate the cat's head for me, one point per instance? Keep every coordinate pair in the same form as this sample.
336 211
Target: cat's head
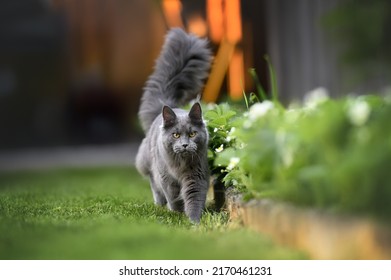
184 133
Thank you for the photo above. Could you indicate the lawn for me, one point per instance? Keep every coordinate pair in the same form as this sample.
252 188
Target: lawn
107 213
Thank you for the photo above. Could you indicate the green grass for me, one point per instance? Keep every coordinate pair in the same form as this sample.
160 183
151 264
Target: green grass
107 213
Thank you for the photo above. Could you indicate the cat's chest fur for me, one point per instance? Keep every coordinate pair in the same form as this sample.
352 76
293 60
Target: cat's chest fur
167 146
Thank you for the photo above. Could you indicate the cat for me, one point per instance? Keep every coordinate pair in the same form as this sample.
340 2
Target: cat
173 153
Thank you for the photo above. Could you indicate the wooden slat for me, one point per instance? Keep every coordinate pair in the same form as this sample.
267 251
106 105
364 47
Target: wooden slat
322 235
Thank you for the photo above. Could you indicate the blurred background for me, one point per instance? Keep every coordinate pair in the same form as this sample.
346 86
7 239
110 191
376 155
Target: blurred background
72 71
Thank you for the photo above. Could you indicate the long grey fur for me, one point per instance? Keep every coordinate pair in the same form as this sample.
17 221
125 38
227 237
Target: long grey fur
173 153
179 75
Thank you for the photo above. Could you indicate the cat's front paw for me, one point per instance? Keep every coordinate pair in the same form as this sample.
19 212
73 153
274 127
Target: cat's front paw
194 216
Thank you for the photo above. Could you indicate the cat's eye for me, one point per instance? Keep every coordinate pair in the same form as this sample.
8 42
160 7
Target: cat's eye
176 135
192 134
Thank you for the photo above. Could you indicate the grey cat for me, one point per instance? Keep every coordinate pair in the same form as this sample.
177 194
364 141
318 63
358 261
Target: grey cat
173 153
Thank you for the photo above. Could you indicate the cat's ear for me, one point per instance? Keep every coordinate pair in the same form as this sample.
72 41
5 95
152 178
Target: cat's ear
169 116
195 113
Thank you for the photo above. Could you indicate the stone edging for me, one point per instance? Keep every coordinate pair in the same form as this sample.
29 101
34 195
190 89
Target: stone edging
321 235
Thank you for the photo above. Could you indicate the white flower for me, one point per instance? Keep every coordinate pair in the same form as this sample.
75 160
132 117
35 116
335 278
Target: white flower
286 150
241 146
315 97
219 149
231 135
233 162
358 112
292 115
215 129
260 109
211 106
247 124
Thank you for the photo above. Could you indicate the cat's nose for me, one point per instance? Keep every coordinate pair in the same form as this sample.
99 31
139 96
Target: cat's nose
185 145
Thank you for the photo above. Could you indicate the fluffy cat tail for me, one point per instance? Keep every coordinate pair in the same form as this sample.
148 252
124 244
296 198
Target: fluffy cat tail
178 77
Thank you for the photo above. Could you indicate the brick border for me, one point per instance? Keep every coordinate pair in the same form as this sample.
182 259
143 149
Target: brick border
322 235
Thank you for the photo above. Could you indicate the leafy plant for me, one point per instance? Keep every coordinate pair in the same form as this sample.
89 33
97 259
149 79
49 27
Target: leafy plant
334 154
220 121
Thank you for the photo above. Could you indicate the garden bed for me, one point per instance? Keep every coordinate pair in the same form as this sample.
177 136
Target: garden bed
314 175
322 235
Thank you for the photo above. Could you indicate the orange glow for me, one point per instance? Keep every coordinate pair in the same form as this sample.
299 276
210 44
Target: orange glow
233 21
225 28
197 26
236 75
219 69
215 17
172 12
